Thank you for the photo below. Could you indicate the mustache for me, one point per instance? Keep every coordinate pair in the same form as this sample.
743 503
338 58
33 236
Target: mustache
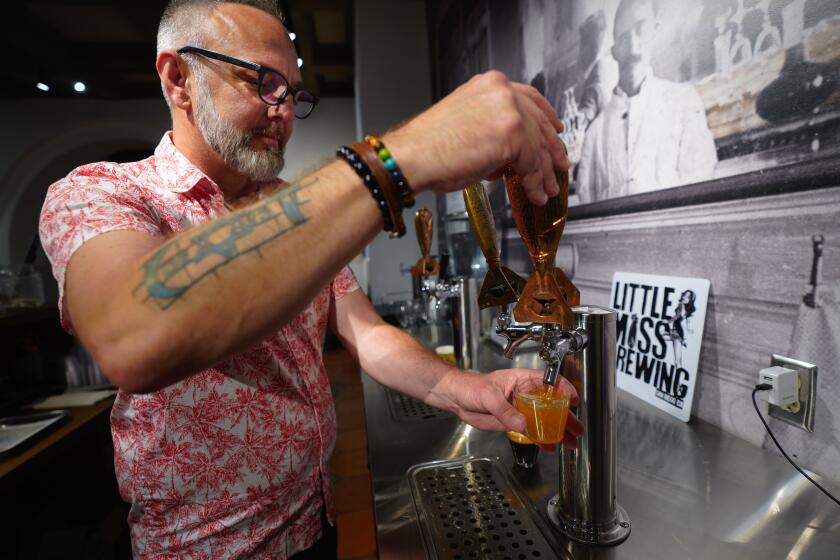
275 131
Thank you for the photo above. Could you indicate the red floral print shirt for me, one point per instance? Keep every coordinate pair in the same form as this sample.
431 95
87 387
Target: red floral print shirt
234 460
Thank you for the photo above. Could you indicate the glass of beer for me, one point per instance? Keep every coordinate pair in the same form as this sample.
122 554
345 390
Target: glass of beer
546 409
524 450
447 352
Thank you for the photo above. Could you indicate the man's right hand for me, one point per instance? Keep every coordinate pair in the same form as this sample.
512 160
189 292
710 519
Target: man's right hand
474 131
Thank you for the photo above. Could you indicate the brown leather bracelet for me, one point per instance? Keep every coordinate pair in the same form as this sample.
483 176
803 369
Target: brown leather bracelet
371 158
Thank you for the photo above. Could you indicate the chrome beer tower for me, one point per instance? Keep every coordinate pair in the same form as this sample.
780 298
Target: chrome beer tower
458 292
578 342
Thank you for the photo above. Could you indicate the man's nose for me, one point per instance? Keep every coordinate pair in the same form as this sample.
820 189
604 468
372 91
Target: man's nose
635 42
284 110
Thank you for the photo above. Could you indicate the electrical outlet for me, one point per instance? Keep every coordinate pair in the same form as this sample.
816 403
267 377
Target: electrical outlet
800 413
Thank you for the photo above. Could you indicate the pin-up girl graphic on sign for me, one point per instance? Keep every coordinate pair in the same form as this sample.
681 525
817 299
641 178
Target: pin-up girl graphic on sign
679 324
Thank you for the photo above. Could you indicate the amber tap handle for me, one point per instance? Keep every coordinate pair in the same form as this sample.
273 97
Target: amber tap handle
481 218
427 265
501 285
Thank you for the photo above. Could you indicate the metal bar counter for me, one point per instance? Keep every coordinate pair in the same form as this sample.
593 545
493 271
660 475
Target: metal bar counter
691 490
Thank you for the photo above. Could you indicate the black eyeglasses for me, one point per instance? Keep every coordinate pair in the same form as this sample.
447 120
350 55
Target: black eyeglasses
272 86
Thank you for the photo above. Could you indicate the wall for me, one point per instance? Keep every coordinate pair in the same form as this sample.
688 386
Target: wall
314 142
42 140
316 138
756 252
392 84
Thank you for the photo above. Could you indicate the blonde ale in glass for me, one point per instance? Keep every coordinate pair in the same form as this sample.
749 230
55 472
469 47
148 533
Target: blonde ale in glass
545 409
447 352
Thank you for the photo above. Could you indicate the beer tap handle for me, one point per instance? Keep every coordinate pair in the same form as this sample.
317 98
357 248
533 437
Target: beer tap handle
501 285
423 227
481 218
427 265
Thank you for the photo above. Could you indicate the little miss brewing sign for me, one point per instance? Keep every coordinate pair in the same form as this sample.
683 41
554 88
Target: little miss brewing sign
659 331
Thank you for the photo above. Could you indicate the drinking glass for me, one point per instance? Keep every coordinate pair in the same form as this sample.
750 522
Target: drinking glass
525 451
546 409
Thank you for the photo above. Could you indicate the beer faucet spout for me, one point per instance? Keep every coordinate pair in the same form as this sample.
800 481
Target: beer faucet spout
516 334
556 344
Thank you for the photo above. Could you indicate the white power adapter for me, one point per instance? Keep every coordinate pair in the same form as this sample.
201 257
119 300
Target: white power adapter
783 381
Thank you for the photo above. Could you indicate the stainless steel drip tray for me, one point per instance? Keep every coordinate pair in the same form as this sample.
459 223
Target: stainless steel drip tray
471 508
407 409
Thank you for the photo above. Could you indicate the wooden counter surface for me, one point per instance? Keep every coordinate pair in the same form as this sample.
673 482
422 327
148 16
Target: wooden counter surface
17 466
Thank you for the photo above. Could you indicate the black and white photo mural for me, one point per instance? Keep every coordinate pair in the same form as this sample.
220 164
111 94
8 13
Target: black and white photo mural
705 141
657 94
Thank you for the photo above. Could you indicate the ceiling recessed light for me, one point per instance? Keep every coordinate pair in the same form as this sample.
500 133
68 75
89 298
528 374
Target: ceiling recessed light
42 86
80 87
292 35
300 62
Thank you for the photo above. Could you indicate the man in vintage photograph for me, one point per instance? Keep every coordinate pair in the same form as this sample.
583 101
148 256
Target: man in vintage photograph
203 285
653 133
596 69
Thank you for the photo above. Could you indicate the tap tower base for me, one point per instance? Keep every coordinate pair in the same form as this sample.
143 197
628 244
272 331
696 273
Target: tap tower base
585 510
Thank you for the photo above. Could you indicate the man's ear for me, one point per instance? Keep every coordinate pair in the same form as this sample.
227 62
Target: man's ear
176 79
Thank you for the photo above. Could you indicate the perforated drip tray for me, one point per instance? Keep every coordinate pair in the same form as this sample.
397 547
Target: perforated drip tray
470 508
408 409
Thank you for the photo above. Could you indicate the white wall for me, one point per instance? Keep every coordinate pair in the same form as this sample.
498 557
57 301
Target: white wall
314 142
42 140
757 254
315 139
393 82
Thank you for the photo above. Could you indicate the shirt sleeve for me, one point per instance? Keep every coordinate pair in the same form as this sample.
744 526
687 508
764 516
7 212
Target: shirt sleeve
92 200
586 167
698 154
344 283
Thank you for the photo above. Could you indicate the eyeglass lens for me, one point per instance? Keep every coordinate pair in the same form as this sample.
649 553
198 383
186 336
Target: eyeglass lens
275 87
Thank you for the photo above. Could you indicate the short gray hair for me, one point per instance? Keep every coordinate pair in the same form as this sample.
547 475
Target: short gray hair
183 23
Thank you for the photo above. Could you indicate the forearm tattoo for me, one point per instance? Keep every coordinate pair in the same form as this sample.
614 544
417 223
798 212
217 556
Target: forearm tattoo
182 263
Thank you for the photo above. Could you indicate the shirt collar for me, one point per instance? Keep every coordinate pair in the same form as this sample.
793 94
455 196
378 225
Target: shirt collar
179 174
618 92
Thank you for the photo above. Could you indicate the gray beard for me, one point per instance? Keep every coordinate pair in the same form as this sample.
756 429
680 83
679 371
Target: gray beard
233 145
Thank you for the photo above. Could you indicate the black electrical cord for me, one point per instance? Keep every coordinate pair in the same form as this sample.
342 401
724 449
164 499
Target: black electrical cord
766 387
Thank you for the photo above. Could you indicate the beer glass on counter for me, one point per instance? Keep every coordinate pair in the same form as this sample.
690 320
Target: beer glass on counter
525 451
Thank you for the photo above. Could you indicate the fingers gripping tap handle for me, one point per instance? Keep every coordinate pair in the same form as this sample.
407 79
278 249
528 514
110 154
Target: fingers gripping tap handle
543 299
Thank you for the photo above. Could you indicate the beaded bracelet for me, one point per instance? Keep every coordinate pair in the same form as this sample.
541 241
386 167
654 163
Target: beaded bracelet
360 167
386 185
394 171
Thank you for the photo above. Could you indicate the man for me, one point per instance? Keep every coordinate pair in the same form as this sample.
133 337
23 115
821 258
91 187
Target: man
652 134
203 286
597 72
